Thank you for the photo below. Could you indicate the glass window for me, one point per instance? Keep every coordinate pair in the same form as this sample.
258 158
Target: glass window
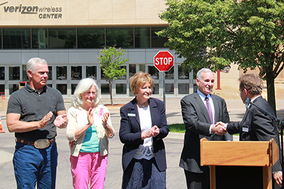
195 88
16 38
24 73
183 88
124 76
14 73
76 72
62 38
91 37
2 73
91 71
152 70
182 73
142 37
170 74
12 88
157 41
104 88
156 89
120 88
61 72
62 88
39 38
73 87
50 85
49 72
134 68
169 88
119 37
102 75
2 90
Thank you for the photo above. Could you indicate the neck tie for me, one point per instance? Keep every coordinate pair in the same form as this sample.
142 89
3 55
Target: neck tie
209 109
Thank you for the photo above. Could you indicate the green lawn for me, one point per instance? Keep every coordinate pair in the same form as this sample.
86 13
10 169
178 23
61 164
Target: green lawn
177 128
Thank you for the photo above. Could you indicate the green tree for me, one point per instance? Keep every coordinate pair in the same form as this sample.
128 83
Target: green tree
215 33
110 63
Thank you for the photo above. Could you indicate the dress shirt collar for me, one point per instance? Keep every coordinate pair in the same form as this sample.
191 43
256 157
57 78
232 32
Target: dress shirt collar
202 95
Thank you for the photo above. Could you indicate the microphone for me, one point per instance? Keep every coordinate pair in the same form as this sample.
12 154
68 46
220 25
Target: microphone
247 101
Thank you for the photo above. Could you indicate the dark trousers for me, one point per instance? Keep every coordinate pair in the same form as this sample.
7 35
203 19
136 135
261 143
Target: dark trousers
198 180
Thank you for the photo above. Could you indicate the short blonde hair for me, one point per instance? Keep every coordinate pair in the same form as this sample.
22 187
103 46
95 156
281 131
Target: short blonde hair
139 79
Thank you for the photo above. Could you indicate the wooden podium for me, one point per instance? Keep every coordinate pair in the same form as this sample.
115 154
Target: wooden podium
244 163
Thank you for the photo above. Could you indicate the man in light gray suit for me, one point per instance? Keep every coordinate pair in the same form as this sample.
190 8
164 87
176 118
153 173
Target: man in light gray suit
199 123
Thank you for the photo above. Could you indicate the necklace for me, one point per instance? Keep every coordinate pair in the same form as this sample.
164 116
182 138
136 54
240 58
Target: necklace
143 105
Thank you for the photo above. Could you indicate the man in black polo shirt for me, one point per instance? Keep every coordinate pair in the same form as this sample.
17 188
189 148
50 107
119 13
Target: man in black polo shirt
33 114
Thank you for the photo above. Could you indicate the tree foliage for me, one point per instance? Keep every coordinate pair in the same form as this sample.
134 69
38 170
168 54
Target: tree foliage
215 33
110 63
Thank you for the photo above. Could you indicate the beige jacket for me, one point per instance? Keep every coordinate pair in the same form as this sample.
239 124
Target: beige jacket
77 117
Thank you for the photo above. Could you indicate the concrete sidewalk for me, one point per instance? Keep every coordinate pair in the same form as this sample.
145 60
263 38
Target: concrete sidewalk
173 143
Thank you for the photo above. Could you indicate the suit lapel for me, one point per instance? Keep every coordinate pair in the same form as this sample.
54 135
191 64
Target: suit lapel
134 110
202 108
153 109
216 108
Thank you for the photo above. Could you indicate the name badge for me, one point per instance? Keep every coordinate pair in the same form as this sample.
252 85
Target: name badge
131 115
245 128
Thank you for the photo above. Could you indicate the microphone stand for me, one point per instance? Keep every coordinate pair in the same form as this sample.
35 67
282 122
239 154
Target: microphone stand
280 126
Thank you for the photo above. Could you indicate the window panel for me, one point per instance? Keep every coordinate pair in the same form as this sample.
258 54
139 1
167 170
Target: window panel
91 37
183 88
104 88
76 72
91 71
170 74
152 70
157 41
142 37
120 88
2 73
134 68
61 72
62 38
119 37
13 88
16 39
39 38
182 73
14 73
62 88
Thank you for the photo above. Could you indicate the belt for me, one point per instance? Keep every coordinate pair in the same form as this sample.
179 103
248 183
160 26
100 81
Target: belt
39 144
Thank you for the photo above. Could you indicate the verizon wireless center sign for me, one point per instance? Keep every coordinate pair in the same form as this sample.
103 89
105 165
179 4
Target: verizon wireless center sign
42 12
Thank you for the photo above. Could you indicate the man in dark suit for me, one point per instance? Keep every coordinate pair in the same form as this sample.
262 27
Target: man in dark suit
198 125
256 126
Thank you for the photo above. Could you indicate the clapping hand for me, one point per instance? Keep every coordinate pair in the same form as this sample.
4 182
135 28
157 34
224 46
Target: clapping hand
104 119
90 117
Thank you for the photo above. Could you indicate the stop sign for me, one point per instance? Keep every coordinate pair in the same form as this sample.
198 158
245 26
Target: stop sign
163 61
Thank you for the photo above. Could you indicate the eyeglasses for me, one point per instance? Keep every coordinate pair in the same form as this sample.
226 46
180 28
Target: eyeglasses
90 93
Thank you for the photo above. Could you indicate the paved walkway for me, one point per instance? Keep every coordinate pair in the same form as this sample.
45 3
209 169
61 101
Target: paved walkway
174 144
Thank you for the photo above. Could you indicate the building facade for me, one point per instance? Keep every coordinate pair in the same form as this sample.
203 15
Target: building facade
70 36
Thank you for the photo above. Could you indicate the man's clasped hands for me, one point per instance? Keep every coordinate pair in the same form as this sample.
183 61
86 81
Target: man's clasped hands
219 128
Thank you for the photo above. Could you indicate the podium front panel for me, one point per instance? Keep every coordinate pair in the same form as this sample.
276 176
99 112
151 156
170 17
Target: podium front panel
237 177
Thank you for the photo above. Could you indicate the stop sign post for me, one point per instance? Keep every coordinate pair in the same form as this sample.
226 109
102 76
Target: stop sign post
164 61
